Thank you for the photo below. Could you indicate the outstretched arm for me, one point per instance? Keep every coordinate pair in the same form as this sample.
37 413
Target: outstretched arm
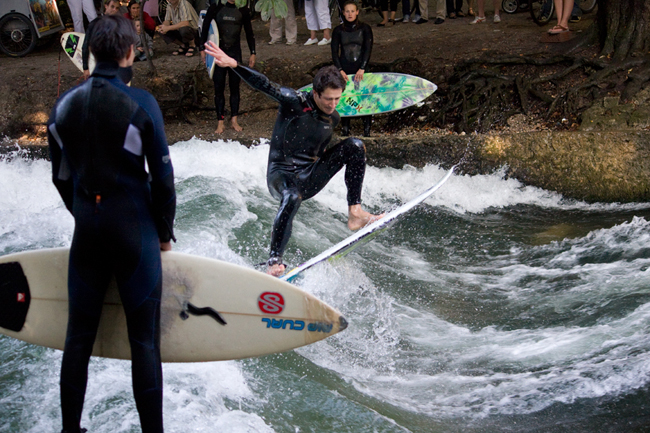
256 80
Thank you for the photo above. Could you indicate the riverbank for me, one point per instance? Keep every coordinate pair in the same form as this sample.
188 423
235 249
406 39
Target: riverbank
184 91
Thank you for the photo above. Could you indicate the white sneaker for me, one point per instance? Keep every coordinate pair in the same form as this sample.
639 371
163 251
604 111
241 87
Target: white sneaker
478 20
416 18
311 41
497 19
272 42
325 42
291 42
406 19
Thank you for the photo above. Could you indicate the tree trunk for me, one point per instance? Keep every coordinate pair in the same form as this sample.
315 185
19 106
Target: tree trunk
624 27
143 38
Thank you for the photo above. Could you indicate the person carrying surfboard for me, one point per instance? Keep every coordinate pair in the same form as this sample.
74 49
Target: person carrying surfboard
100 134
229 19
351 49
299 164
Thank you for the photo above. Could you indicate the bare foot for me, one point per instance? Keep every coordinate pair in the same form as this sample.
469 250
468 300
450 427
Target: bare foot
235 125
358 218
276 270
220 127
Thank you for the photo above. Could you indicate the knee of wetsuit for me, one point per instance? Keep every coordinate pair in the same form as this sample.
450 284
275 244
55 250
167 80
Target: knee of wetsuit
357 144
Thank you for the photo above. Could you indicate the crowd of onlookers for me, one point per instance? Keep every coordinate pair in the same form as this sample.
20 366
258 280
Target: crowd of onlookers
181 21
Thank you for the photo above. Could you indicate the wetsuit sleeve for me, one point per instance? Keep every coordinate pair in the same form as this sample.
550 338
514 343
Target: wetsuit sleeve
205 29
61 176
336 47
85 49
258 81
163 194
248 29
366 49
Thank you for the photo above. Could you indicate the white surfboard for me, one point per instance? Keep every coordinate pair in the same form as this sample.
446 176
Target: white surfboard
213 36
72 43
367 233
262 314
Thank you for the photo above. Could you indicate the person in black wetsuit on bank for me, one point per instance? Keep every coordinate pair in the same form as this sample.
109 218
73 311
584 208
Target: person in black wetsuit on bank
100 133
230 21
351 49
300 164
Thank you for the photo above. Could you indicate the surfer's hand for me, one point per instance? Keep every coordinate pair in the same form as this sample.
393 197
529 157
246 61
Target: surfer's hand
251 61
166 246
276 270
222 59
359 75
345 76
86 74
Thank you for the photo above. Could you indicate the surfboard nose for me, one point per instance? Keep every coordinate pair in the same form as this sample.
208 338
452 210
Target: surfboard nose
343 324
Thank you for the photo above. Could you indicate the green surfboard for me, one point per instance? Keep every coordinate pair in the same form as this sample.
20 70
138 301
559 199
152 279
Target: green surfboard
381 93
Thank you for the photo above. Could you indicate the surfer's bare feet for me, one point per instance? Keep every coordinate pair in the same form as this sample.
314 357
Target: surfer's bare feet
235 125
358 218
276 270
220 127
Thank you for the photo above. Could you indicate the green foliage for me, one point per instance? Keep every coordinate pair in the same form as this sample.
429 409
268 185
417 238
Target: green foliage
266 6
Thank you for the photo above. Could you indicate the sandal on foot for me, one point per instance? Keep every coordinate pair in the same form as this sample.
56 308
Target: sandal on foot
558 29
190 51
180 51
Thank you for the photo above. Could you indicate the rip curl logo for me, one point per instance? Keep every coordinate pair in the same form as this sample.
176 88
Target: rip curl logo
165 159
271 302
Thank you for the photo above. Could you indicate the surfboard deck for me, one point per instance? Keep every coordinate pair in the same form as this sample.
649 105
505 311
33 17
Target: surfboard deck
72 43
381 93
213 36
263 314
366 234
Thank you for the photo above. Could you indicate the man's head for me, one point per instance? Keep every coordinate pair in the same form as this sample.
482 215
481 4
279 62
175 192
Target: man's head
111 7
328 87
113 38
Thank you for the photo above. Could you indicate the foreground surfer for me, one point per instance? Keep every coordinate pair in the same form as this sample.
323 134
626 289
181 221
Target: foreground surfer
299 166
100 134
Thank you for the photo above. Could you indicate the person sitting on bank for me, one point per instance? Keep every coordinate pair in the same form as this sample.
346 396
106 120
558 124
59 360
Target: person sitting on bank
300 161
134 15
140 54
181 27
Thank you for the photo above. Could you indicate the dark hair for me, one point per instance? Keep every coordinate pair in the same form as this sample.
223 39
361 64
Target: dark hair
351 2
107 2
328 77
131 3
112 37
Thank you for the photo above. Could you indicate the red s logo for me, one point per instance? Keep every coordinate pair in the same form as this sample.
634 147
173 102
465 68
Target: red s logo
271 303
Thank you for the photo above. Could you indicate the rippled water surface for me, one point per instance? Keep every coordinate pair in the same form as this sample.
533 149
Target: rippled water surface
493 307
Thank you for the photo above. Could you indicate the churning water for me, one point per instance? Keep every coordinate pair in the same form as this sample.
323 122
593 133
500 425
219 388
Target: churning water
493 307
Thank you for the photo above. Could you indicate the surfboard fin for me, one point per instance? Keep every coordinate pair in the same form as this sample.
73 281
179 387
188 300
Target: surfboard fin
205 311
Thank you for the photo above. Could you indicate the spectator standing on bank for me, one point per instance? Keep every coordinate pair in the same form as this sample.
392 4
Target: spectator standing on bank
383 5
77 9
290 26
563 10
317 13
351 49
480 17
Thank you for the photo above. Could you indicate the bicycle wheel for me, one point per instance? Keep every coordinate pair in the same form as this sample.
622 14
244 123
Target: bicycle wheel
587 5
509 6
17 35
541 11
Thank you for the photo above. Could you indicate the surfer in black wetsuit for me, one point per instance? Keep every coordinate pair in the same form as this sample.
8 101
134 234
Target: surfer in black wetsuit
299 163
230 21
351 48
100 134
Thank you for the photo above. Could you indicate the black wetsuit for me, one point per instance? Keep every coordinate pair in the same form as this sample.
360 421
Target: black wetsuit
100 134
230 21
351 49
300 164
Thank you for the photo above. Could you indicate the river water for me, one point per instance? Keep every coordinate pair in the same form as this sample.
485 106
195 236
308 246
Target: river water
493 307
